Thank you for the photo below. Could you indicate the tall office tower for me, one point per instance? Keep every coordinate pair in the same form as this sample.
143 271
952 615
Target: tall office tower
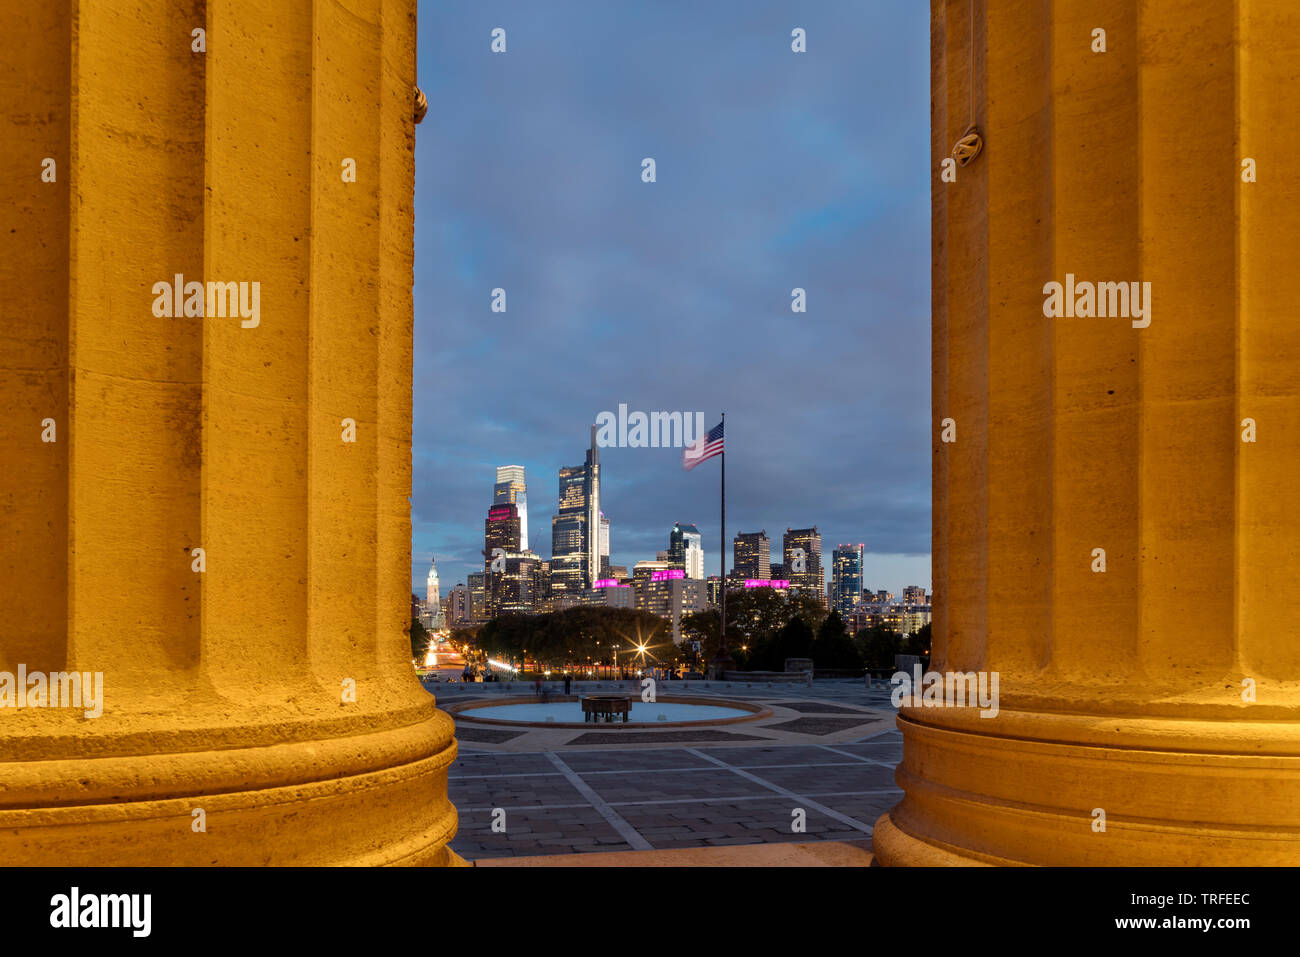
685 547
575 530
461 609
752 555
511 489
914 595
567 534
603 550
846 578
501 529
541 586
477 585
713 586
511 589
500 540
811 580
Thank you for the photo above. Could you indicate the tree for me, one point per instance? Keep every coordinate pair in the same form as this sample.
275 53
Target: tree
878 645
465 635
833 648
794 640
419 641
807 606
702 627
754 614
573 636
918 643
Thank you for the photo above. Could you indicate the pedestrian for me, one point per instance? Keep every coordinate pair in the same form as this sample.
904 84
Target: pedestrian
568 682
537 686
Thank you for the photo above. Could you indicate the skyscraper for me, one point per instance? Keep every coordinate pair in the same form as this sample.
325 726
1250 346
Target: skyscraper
713 588
501 529
685 548
474 581
501 535
603 550
462 605
513 588
752 555
846 575
575 529
541 586
511 489
802 560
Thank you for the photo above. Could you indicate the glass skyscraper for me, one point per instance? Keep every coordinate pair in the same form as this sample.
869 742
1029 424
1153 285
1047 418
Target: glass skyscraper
602 550
685 548
501 535
846 578
511 489
576 528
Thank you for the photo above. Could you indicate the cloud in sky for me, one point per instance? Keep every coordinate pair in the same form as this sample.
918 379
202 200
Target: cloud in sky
775 170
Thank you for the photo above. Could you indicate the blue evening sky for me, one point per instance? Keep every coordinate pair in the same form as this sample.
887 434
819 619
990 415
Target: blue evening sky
775 170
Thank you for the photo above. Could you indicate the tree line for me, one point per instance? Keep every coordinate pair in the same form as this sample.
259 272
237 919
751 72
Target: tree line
578 636
764 627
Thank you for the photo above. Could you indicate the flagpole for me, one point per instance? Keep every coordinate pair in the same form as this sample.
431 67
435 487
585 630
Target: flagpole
722 660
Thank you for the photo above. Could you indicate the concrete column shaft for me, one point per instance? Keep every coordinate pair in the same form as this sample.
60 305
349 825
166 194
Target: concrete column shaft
226 689
1121 690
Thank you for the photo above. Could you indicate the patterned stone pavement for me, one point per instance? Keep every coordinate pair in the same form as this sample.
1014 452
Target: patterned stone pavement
828 712
821 768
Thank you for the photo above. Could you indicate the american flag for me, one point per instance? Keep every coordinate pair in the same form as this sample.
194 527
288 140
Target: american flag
703 448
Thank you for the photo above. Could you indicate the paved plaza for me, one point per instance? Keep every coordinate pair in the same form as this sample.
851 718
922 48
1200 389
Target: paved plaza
819 768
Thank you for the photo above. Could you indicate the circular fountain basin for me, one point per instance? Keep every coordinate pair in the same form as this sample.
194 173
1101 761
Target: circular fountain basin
565 711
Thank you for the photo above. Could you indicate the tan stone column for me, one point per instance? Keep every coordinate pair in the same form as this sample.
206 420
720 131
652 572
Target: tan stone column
225 690
1122 692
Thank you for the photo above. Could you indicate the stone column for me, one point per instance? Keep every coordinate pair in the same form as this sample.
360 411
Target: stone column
263 692
1164 691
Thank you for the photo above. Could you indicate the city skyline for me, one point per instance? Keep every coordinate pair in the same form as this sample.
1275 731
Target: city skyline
546 515
790 172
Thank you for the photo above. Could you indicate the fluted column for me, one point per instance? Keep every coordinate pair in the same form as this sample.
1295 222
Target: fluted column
1125 694
258 705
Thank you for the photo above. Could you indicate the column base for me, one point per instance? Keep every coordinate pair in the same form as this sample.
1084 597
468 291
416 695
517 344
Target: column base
893 847
377 799
1016 790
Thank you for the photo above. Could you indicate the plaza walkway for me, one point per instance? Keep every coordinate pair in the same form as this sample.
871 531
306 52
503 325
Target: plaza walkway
820 768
